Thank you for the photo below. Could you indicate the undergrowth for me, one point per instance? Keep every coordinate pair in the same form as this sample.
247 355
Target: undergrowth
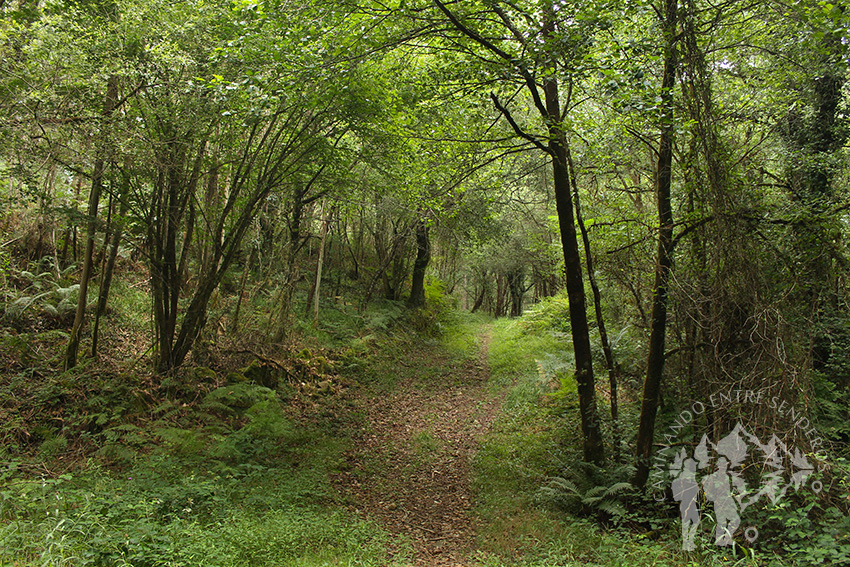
181 508
541 507
231 463
245 485
109 464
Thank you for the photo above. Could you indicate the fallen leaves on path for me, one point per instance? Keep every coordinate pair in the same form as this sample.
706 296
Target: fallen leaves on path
411 467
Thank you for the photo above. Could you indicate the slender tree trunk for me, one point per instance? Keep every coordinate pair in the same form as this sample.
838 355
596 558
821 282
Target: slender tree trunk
594 449
516 290
398 254
499 307
106 278
317 288
600 320
91 228
658 325
175 187
243 281
100 258
290 278
480 299
66 238
423 257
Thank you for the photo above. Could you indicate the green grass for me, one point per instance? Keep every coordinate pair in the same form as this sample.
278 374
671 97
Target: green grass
176 508
461 332
254 491
536 437
233 479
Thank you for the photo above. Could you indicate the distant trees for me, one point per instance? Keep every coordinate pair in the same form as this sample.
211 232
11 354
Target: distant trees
534 49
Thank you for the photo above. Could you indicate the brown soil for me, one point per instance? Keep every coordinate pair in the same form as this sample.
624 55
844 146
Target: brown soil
411 468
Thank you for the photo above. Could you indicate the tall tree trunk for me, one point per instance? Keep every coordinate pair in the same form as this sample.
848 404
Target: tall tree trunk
594 449
600 320
91 225
175 189
480 299
550 110
100 257
108 270
243 281
658 324
423 257
516 290
317 286
499 307
292 273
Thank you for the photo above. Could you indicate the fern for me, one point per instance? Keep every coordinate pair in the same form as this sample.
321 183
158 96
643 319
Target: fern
600 500
612 508
54 299
618 488
17 307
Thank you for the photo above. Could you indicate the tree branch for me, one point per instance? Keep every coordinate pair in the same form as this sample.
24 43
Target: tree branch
520 132
475 36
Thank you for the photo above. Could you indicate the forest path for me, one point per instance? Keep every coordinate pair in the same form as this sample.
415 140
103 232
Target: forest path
411 469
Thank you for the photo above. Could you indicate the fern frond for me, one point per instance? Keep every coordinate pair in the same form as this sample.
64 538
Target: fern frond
618 488
596 491
612 508
591 501
558 482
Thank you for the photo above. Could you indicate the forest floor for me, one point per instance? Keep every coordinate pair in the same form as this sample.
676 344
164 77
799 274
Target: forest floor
430 448
411 467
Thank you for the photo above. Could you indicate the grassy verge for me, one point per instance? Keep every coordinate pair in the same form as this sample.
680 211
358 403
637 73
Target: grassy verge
535 438
256 497
108 465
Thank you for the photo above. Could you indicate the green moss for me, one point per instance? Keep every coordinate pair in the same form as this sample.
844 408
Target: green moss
203 375
236 378
261 373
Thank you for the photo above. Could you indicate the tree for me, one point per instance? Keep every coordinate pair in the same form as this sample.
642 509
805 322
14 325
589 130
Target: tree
205 115
546 47
110 102
420 264
664 258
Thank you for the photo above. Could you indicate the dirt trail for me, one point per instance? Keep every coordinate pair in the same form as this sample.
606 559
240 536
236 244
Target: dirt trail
411 469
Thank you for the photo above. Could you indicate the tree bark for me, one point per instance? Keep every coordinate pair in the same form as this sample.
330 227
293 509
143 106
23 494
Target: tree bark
600 320
108 271
658 324
594 449
91 226
480 299
499 307
423 257
243 282
516 289
317 288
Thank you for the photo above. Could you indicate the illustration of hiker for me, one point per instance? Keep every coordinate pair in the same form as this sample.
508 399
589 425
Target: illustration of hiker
686 490
719 486
718 490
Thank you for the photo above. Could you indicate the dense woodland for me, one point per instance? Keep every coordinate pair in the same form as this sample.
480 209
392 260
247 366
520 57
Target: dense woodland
270 196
